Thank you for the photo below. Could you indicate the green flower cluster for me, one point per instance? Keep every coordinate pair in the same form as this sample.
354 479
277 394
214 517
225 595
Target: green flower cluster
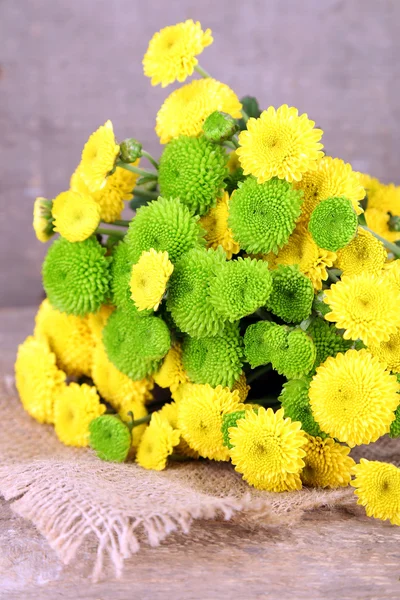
296 404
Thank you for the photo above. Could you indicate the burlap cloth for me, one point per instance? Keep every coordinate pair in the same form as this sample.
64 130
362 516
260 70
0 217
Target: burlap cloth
69 494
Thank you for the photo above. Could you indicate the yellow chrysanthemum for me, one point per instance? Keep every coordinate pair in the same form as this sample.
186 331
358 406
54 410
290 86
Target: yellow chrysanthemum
76 215
388 352
69 337
74 409
171 373
149 279
352 397
327 464
157 443
170 412
200 413
115 387
378 221
133 406
370 184
280 143
172 51
42 219
391 273
111 197
37 378
215 223
385 198
182 391
97 321
98 157
378 489
186 109
365 306
242 387
332 177
268 450
364 254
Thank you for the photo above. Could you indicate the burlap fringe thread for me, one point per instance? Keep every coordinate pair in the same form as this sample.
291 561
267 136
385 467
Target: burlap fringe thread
69 495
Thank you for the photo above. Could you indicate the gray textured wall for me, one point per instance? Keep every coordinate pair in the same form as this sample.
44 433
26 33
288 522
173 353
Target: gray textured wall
68 65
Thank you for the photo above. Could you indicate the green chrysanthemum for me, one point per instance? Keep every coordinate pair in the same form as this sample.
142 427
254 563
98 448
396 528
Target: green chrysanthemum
263 215
76 276
296 404
292 294
263 342
327 340
193 170
165 225
395 426
240 287
298 358
188 295
110 438
121 267
230 420
333 223
136 345
214 360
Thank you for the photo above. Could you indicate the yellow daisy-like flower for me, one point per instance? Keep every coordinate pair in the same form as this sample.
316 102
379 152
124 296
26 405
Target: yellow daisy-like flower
353 398
242 387
268 450
115 387
111 197
149 279
332 177
76 216
365 306
318 272
215 223
42 219
74 409
385 198
200 413
157 443
327 464
391 273
280 143
171 55
378 489
186 109
182 391
378 221
37 378
370 184
69 337
388 352
364 254
98 157
170 412
171 373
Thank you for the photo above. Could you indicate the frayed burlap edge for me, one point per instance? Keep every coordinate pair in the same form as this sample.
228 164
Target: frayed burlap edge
68 494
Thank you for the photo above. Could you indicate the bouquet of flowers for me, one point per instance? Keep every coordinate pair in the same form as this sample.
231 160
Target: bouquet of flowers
247 311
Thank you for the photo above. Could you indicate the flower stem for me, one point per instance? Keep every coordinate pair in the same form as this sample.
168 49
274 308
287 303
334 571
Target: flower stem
394 249
137 422
332 277
230 144
144 194
114 232
202 71
118 222
245 116
137 170
150 158
256 374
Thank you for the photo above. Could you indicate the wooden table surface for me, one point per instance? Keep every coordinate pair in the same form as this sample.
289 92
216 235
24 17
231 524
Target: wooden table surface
329 555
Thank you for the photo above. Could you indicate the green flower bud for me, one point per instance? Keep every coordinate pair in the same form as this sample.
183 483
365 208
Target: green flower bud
219 126
130 150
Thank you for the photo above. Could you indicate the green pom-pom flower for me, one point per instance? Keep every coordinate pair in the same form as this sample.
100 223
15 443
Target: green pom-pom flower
76 276
263 341
214 360
110 438
333 223
121 267
327 340
263 215
219 126
240 287
193 170
296 404
165 225
188 294
230 420
292 294
395 426
298 357
136 345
